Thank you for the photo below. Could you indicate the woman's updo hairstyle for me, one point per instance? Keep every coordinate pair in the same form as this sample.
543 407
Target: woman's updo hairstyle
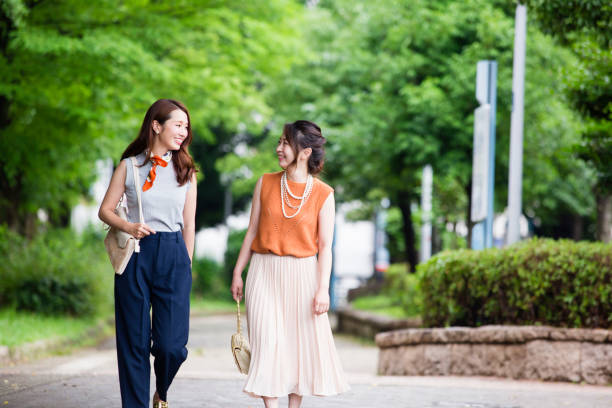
303 134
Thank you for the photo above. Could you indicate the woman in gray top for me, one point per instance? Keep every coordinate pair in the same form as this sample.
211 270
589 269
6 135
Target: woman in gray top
158 277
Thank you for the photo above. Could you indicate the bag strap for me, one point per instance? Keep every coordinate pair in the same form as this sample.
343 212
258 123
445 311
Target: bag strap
238 315
137 185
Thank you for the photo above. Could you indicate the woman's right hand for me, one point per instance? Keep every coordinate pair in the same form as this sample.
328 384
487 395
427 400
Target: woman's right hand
236 288
139 230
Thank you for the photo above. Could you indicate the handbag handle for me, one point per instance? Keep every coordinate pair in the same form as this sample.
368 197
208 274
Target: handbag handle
238 315
137 185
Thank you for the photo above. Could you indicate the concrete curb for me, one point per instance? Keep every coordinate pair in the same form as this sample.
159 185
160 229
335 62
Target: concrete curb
27 351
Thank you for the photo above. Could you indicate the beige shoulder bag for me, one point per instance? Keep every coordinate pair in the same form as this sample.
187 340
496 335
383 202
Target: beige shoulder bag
119 244
240 347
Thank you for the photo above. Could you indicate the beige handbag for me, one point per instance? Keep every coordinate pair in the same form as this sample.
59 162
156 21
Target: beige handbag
240 347
119 244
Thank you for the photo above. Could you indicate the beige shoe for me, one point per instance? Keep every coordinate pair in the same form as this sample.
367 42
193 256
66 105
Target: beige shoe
157 403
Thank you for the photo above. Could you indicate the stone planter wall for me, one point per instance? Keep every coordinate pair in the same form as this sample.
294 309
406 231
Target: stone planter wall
366 324
519 352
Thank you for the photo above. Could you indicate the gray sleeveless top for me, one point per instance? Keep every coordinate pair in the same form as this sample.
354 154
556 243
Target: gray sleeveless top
162 204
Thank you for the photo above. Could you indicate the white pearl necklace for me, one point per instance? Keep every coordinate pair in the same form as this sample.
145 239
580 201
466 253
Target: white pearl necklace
286 192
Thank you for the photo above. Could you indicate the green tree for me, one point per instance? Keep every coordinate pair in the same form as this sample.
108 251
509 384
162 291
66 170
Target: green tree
393 85
585 26
77 77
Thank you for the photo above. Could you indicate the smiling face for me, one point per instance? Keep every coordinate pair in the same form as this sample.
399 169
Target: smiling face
173 132
285 153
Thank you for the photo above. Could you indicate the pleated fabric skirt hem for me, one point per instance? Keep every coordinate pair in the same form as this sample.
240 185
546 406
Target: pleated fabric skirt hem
284 394
292 348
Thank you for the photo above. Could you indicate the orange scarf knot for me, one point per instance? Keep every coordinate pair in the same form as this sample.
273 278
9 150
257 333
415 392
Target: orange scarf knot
156 160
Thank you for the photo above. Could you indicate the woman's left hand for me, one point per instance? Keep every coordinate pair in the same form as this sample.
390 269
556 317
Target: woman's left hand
320 303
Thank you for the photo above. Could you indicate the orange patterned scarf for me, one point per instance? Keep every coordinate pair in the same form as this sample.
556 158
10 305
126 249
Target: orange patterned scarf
156 160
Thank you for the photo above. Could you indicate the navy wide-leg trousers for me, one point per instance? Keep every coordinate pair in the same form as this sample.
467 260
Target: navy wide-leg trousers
157 278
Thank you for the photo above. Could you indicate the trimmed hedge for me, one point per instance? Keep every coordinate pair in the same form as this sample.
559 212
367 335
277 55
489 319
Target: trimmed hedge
541 281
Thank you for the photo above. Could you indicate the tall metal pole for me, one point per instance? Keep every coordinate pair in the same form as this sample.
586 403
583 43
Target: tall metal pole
483 160
426 188
515 178
333 299
491 189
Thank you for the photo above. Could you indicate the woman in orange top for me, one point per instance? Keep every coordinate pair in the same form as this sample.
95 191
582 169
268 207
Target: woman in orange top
288 243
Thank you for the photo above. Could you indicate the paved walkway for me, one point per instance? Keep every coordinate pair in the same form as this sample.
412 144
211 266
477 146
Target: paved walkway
88 378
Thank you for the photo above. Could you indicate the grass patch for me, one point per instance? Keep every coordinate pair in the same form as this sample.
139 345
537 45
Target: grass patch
362 341
20 327
213 305
17 328
380 304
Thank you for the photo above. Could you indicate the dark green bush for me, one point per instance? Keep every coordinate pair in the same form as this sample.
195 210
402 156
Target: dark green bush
51 295
541 281
234 243
207 278
58 272
403 289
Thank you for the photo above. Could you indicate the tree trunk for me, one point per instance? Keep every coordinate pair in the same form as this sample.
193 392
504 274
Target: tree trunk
604 217
577 227
436 238
404 201
11 187
10 201
62 218
29 225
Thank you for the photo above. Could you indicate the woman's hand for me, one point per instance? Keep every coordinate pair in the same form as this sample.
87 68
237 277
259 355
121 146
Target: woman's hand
320 303
139 230
236 288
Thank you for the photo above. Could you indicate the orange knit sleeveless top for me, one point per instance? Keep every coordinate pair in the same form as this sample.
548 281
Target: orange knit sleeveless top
282 236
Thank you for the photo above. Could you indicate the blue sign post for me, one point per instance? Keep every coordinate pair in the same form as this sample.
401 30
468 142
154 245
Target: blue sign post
333 298
483 165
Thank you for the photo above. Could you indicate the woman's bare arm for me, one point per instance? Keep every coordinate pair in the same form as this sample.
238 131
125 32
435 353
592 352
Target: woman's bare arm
189 212
324 259
245 251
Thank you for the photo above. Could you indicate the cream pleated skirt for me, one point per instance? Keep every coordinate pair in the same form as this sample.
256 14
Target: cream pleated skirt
292 349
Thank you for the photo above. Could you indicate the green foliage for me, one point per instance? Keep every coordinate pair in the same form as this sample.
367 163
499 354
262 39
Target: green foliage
392 85
214 304
51 295
403 289
396 244
234 243
589 89
564 18
585 26
56 273
379 304
77 77
17 328
400 296
559 283
207 278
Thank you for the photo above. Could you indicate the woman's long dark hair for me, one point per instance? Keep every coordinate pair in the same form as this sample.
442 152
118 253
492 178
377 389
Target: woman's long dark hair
160 111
